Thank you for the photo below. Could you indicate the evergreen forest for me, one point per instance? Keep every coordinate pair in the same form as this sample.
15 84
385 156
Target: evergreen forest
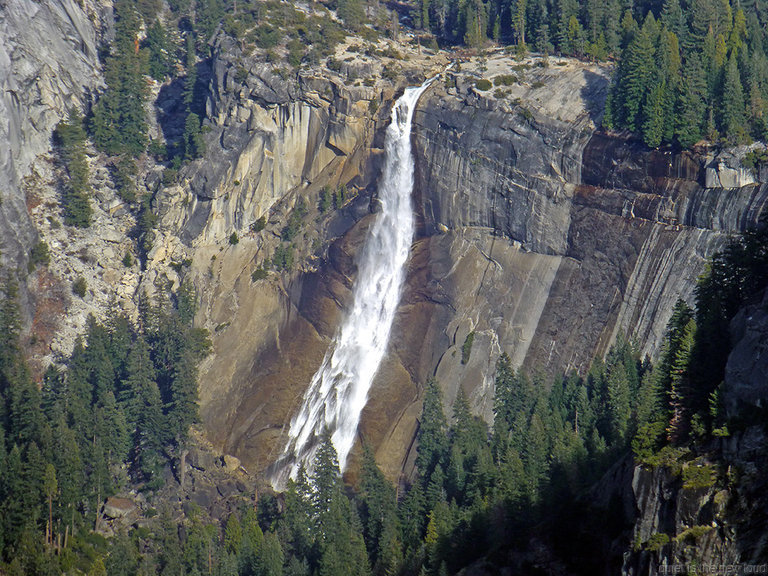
116 414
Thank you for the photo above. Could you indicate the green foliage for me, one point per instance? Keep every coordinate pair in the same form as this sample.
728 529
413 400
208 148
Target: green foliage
283 257
466 348
326 198
295 220
755 158
193 143
431 436
160 59
259 274
657 541
483 84
234 238
295 52
124 177
341 196
70 137
351 12
697 477
79 287
680 78
118 124
70 441
259 225
692 534
504 80
39 255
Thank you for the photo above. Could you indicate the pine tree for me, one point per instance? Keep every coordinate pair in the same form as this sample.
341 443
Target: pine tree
193 143
119 124
619 408
160 58
432 431
378 511
680 384
141 375
566 9
634 77
70 137
653 126
270 560
352 13
475 19
733 109
691 105
69 465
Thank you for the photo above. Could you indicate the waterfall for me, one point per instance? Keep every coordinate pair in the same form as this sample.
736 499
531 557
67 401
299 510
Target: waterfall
339 389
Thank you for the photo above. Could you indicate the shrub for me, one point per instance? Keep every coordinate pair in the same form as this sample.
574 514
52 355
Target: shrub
693 533
157 149
283 257
698 477
295 52
504 80
341 196
39 255
241 75
259 274
295 220
483 84
169 176
259 225
79 287
127 260
390 72
657 542
326 198
466 348
234 238
647 441
124 178
670 457
754 158
525 113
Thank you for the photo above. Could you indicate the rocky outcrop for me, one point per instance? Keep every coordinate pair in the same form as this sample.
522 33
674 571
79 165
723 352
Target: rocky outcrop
274 140
716 519
541 237
48 65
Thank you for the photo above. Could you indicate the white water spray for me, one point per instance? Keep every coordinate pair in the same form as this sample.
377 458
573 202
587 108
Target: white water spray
339 389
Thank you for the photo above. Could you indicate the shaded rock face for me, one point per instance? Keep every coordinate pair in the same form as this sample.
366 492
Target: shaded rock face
721 524
48 65
550 240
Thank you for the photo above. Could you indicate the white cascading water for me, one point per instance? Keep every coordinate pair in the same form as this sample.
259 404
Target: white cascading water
339 389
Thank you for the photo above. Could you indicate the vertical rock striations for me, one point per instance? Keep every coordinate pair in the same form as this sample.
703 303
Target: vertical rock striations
48 65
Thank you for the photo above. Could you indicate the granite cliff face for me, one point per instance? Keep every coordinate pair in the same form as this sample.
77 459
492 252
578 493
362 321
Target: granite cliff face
717 522
48 65
541 237
537 235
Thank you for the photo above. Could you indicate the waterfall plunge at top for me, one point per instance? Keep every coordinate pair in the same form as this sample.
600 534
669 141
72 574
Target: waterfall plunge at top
339 389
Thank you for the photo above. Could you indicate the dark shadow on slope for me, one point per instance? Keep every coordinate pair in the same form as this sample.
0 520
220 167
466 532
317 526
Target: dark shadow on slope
594 93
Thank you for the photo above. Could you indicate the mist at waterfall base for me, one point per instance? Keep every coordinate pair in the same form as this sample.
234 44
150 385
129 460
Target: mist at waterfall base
339 389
